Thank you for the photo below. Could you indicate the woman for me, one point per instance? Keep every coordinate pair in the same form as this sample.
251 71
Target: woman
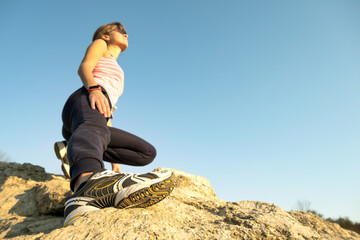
90 140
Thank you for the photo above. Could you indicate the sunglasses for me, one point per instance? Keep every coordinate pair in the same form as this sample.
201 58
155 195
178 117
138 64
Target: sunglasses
119 31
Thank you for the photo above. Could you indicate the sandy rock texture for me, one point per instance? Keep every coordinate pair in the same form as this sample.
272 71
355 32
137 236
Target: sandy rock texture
32 201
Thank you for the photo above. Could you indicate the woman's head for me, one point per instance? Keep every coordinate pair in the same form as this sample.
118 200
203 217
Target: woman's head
107 28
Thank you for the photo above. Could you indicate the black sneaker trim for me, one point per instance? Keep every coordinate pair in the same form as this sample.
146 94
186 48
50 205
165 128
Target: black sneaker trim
148 175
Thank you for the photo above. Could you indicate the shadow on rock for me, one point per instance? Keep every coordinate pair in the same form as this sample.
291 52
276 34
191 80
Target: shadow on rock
26 205
33 226
31 200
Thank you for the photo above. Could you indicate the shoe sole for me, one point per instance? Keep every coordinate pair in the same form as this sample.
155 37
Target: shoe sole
60 151
59 148
65 170
148 196
77 213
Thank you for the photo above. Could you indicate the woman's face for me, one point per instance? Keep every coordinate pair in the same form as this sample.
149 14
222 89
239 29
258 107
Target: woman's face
119 37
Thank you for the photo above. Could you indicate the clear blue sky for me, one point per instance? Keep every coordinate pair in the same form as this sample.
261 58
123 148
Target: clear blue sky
260 97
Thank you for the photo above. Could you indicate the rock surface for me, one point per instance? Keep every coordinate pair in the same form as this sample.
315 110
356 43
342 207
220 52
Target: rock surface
32 201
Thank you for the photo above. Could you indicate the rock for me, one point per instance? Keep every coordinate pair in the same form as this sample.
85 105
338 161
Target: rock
31 208
25 171
51 196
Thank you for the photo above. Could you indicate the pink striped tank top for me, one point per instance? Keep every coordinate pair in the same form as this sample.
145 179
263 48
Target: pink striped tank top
108 74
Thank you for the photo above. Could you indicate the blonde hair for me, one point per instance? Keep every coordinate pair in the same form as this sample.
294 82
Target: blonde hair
106 29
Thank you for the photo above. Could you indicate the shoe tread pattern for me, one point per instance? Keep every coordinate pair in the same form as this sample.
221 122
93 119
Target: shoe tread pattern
148 196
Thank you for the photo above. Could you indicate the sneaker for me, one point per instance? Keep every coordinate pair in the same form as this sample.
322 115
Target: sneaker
61 153
106 188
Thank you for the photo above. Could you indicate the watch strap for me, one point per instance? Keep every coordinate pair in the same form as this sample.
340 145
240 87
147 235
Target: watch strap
93 88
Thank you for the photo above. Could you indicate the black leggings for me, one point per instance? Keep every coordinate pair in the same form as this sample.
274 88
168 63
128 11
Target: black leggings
90 140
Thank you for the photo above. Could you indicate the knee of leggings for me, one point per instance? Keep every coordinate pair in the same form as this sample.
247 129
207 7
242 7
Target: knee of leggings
66 133
149 156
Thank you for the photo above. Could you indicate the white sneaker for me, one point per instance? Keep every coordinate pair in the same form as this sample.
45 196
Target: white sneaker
106 188
61 153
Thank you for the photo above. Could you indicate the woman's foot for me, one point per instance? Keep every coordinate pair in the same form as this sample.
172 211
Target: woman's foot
106 188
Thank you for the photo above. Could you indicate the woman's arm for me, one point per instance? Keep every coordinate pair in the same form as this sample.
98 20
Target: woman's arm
95 51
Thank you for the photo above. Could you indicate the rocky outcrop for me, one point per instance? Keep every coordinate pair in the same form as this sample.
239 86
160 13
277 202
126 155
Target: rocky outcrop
32 201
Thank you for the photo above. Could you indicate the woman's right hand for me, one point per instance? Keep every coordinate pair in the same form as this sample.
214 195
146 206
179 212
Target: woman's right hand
99 101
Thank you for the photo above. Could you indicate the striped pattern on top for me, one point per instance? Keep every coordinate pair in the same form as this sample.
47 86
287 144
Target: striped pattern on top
108 74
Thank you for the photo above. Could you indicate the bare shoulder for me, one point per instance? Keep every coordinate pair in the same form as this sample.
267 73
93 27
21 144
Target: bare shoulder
96 49
98 45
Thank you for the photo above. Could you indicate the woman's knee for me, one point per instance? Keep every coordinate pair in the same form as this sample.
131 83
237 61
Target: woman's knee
149 155
66 133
